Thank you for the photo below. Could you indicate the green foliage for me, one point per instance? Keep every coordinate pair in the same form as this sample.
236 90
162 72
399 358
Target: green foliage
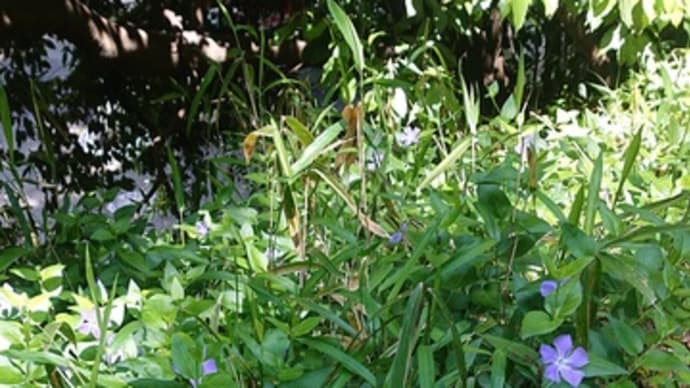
302 283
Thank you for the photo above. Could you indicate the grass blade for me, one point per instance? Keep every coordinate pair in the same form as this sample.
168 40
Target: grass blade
425 362
344 24
408 337
447 162
343 358
629 160
316 148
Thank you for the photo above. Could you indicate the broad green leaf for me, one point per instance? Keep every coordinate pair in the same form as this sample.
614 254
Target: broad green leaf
537 323
343 358
10 375
625 8
316 148
661 361
519 11
573 268
347 29
627 337
578 243
305 326
10 255
600 367
183 355
566 299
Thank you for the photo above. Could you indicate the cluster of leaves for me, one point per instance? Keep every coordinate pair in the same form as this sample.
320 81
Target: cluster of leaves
426 246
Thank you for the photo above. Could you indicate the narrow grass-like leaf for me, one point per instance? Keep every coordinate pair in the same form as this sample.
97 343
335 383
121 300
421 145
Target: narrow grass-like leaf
303 134
576 207
629 160
593 194
447 163
316 148
347 29
6 121
407 339
498 369
367 222
343 358
196 101
177 181
425 364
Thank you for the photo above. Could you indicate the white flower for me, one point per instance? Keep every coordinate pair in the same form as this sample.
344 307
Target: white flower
408 137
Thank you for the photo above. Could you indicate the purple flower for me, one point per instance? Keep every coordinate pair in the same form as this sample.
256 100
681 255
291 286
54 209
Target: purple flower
202 229
547 287
208 367
562 362
397 237
408 137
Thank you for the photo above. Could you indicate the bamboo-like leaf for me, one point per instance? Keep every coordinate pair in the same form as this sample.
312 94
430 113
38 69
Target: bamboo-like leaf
316 148
347 29
303 134
425 362
343 358
6 121
593 194
447 162
629 160
196 101
518 9
177 181
408 337
367 222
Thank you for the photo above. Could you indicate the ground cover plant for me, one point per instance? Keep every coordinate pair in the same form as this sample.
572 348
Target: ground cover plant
395 222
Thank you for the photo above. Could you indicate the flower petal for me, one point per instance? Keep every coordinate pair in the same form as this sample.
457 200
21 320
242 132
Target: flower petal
547 287
571 375
564 344
548 354
551 373
208 367
578 358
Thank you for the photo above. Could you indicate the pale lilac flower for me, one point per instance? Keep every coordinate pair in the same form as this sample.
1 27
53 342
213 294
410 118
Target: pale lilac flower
408 137
547 287
563 362
202 229
89 324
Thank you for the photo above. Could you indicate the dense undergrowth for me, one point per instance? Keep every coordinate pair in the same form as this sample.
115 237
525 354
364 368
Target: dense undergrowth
402 241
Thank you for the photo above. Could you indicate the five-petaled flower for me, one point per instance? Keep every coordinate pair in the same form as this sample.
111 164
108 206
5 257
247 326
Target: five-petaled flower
563 362
547 287
89 323
408 137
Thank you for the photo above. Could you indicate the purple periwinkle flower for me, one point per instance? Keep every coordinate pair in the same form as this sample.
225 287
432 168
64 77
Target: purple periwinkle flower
563 362
202 229
207 367
397 237
547 287
408 137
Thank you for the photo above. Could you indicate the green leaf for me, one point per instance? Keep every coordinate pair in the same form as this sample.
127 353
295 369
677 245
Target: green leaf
566 299
194 108
498 369
573 268
183 355
6 121
661 361
10 255
629 160
177 181
407 339
577 242
550 7
519 12
625 8
303 134
447 162
316 148
39 357
627 337
593 194
425 363
599 367
10 375
305 326
343 358
347 29
537 323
